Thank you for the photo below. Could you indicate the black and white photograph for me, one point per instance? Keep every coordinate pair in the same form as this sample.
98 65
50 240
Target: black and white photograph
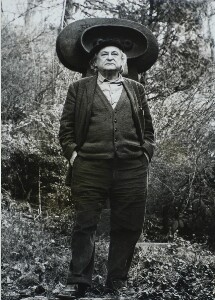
108 149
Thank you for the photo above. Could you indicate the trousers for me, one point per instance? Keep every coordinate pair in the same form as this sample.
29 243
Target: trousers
124 182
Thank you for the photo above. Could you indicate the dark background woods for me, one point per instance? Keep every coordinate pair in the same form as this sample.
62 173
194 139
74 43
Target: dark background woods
180 91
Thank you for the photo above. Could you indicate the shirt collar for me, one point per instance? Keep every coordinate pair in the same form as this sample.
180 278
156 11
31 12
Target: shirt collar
102 79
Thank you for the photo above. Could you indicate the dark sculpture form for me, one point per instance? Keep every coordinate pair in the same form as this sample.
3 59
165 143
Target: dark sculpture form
76 39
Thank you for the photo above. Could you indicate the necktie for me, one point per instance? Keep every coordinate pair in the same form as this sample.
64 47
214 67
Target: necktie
113 82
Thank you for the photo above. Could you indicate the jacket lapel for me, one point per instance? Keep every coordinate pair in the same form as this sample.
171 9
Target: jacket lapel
89 92
134 105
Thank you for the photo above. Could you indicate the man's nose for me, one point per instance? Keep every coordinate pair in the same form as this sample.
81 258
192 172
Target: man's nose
110 56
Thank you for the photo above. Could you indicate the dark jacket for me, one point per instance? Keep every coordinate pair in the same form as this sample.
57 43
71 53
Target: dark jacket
77 111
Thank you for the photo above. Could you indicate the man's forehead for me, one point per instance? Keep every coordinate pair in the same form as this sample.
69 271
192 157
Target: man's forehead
110 49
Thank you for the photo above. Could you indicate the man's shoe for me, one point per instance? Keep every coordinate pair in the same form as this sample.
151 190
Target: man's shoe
117 286
73 291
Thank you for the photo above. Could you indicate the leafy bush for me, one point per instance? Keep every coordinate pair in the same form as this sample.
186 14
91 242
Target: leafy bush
33 168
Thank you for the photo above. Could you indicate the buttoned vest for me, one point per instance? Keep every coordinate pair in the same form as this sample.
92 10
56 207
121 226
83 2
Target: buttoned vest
111 131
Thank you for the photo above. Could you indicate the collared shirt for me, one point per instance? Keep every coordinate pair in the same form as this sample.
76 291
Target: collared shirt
111 88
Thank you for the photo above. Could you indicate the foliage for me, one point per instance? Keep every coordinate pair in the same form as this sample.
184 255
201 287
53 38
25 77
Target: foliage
32 165
34 157
35 260
186 155
33 266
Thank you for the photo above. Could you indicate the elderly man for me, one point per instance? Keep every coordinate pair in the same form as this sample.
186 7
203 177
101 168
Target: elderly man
107 135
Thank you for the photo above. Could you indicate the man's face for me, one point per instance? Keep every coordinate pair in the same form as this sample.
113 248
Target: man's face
109 58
